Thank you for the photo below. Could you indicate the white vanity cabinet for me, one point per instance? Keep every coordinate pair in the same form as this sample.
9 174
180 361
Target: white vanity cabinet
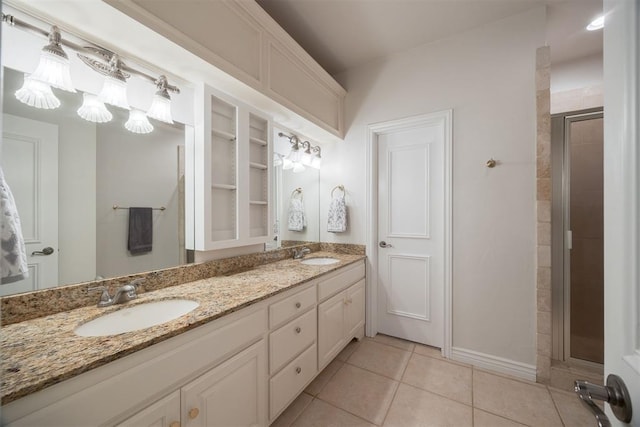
163 413
341 314
232 173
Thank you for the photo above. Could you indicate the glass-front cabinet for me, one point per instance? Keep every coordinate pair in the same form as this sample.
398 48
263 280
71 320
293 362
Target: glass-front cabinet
232 173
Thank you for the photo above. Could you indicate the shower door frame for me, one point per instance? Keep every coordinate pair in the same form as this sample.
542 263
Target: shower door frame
560 233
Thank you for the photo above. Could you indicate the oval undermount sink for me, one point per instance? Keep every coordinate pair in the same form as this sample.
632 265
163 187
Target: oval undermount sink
319 261
136 317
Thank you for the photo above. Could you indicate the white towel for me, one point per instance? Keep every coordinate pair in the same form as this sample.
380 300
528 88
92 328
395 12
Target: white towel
337 221
297 218
14 255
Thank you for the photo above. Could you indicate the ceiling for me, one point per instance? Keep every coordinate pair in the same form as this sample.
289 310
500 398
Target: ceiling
341 34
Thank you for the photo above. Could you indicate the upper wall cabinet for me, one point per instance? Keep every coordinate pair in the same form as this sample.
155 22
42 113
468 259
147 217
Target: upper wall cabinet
241 39
232 173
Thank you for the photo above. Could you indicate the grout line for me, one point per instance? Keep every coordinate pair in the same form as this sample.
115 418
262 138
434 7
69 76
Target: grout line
473 403
555 405
348 412
301 412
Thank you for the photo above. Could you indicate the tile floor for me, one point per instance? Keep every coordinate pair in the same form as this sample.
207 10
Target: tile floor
385 381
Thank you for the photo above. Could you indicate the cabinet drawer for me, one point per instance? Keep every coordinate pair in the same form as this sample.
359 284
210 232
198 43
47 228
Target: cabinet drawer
340 281
289 382
291 339
291 306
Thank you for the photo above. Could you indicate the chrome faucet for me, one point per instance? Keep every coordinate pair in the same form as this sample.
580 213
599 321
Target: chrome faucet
299 254
123 293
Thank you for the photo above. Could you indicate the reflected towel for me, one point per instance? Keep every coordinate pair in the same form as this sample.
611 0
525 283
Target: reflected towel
296 219
14 254
140 230
337 220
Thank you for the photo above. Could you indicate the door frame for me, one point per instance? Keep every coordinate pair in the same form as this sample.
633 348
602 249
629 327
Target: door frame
373 131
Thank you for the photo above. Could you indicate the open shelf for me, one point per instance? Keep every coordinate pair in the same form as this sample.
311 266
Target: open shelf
223 186
258 141
257 165
223 134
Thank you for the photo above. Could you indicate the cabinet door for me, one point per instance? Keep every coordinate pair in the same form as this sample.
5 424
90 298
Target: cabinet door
164 413
232 394
331 328
355 309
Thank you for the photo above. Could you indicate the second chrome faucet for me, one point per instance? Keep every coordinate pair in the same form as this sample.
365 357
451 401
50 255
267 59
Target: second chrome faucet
123 293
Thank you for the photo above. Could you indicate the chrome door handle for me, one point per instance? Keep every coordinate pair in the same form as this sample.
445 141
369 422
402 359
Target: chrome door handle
46 251
615 393
384 244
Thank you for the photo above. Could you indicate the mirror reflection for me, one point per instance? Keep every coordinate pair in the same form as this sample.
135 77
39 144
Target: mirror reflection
67 174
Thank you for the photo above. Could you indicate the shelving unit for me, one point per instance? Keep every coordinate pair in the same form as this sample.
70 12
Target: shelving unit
232 180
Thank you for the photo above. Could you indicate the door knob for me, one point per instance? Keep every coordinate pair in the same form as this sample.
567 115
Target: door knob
615 393
46 251
384 244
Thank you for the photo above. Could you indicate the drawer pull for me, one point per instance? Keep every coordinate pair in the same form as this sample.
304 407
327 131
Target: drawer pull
175 424
193 413
298 370
298 305
298 329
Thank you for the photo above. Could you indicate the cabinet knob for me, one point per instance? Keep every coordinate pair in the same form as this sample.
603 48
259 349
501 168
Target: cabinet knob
298 370
193 413
298 305
298 329
175 424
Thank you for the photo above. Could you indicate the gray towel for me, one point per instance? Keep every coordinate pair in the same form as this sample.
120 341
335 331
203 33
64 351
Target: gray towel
140 230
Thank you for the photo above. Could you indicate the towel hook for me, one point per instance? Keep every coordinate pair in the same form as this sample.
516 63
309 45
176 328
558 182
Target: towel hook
338 187
297 190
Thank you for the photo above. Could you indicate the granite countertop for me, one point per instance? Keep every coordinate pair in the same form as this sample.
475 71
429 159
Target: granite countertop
44 351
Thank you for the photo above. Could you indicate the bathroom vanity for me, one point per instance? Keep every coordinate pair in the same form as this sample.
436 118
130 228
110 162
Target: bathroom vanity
255 342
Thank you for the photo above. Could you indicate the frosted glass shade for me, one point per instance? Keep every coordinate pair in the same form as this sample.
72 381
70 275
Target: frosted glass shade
295 154
315 163
286 164
37 94
138 122
298 168
94 110
160 109
54 70
114 92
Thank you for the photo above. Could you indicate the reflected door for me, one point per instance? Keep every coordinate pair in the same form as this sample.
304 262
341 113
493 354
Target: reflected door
32 175
411 232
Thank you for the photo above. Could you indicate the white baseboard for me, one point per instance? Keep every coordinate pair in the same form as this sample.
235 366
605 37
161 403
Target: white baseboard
494 363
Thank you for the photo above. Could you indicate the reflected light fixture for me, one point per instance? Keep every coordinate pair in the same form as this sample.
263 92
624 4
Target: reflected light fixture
53 67
596 24
138 122
161 105
37 94
317 159
301 154
93 109
298 168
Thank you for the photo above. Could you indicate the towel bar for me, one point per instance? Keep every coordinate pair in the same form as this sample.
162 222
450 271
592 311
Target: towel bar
161 208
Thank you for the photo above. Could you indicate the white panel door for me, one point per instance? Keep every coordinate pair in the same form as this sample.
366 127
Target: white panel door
30 165
411 232
622 199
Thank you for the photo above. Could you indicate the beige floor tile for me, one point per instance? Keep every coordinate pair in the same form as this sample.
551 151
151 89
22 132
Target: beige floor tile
348 350
527 403
360 392
323 377
381 359
572 411
440 377
321 414
294 410
414 407
427 350
393 341
485 419
564 378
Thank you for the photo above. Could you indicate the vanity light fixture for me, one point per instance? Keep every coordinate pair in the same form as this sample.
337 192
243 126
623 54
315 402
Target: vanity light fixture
301 154
596 24
138 122
53 71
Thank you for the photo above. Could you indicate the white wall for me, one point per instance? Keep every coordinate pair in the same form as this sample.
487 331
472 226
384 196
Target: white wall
136 171
577 74
487 76
76 180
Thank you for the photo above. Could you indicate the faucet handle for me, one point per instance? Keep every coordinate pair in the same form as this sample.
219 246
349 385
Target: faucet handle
137 282
105 297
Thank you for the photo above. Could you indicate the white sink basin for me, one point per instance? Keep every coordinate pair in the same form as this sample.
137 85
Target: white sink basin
136 317
319 261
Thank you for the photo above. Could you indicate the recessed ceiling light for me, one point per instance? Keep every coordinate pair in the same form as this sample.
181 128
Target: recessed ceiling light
596 24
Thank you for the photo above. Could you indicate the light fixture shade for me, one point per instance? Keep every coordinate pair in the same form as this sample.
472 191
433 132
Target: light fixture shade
53 67
295 154
37 94
160 109
298 168
286 164
317 160
114 92
277 160
94 110
138 122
